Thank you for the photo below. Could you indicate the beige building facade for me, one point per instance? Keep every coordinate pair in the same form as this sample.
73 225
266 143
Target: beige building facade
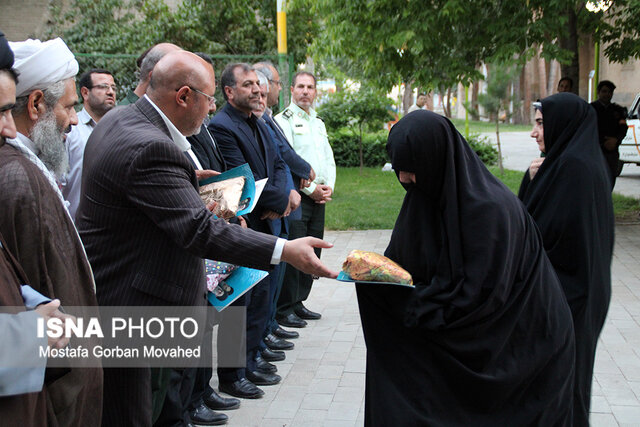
23 19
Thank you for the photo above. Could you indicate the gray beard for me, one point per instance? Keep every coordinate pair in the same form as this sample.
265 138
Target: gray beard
48 140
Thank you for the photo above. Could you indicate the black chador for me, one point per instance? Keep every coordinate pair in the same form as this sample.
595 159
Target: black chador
570 200
485 338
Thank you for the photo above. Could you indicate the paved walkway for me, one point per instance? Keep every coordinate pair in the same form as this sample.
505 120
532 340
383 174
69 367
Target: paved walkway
323 377
518 149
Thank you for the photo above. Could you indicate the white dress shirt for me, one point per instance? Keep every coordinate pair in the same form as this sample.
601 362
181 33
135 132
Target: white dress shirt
76 142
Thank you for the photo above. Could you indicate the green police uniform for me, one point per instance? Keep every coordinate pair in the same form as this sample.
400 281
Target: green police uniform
308 137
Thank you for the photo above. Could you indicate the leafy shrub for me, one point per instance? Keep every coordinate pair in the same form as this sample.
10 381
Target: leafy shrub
345 148
483 148
367 109
359 112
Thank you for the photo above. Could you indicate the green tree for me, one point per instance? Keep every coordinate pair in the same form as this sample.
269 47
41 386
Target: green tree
430 44
128 27
497 99
360 110
441 42
616 28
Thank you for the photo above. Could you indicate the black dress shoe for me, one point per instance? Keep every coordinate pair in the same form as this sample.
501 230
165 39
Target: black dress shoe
242 388
272 355
304 313
219 403
292 321
287 335
275 343
264 366
207 417
260 378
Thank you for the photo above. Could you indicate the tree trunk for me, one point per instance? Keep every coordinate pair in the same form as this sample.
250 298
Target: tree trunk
542 76
447 107
518 116
570 42
361 153
498 142
407 97
552 81
529 79
474 100
429 104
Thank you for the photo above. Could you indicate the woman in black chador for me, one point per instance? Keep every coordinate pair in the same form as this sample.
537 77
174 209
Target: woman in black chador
485 338
568 194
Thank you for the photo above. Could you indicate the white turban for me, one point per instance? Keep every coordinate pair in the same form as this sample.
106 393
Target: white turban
42 64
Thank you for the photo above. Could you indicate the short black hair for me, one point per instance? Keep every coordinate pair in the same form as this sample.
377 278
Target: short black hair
302 73
228 78
204 56
422 94
607 83
85 78
566 78
13 74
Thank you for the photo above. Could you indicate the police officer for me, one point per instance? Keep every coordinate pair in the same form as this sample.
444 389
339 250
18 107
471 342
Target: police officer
308 136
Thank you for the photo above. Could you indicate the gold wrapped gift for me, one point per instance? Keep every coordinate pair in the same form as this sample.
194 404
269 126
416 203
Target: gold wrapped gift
373 267
226 194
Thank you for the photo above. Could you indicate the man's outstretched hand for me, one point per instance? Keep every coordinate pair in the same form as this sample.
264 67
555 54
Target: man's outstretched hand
300 254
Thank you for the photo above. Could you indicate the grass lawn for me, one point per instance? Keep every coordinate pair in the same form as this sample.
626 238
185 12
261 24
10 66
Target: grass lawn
479 126
510 178
371 201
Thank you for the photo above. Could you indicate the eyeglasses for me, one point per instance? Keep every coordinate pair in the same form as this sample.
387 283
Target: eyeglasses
211 99
278 82
105 86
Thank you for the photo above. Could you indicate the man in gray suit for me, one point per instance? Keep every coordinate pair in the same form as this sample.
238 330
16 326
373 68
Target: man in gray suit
143 223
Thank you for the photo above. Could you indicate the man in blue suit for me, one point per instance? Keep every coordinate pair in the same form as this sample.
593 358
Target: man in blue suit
300 173
244 139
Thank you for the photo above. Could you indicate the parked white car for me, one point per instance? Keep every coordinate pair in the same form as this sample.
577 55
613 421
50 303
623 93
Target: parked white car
629 148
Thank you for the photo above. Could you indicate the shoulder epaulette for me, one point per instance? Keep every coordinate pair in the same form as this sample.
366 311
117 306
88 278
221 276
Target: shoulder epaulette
287 114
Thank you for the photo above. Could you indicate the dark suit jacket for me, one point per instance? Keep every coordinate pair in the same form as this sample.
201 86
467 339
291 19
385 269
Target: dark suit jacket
298 166
208 155
144 226
239 145
282 225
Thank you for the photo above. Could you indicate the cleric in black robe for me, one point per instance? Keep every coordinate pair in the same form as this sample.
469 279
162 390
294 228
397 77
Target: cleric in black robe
570 200
485 338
